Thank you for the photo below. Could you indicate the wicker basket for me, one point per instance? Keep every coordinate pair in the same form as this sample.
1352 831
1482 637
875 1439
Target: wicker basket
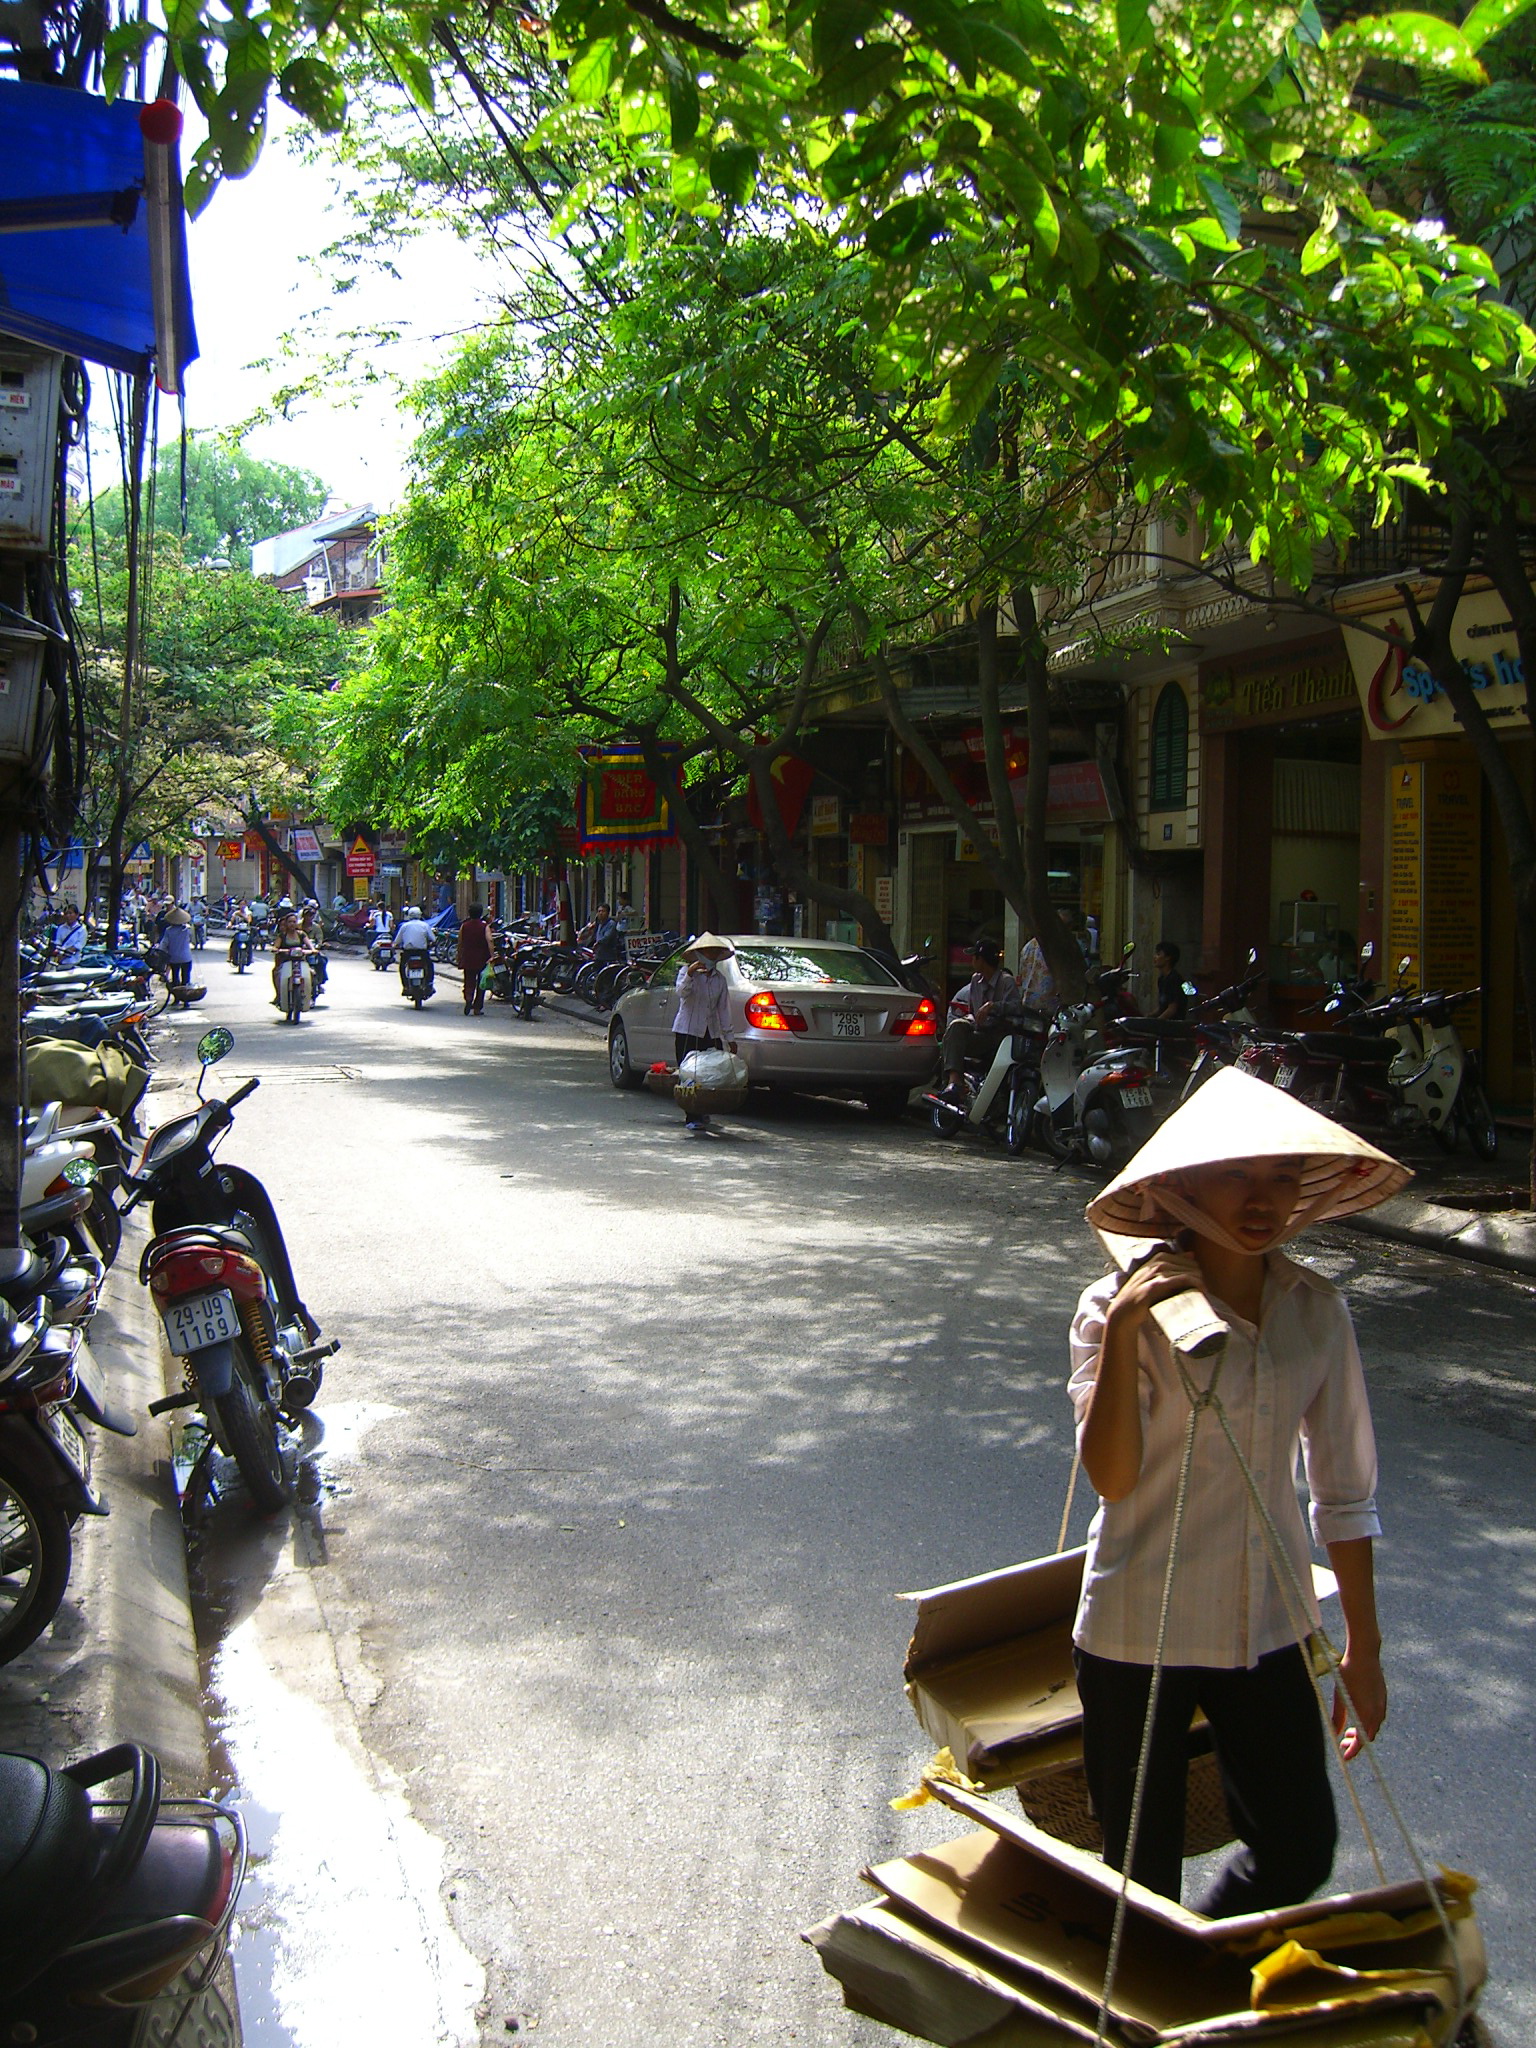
694 1101
1057 1801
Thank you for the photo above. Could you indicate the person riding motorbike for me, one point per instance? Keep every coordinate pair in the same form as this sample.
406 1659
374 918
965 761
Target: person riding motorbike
292 942
414 938
313 927
996 1009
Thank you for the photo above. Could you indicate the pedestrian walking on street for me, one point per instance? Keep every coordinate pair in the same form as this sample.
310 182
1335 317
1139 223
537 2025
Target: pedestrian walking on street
474 956
703 999
176 945
1203 1209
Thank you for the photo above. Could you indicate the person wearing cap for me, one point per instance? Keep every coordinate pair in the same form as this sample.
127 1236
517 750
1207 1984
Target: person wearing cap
996 1008
1205 1206
703 1004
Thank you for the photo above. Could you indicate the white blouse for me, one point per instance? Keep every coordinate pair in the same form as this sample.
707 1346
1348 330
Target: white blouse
1295 1380
701 1003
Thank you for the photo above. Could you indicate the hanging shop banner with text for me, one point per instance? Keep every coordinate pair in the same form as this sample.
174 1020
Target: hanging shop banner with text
619 804
1401 699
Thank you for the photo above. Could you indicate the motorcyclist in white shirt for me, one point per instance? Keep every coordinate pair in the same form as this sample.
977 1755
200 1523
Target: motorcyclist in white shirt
414 936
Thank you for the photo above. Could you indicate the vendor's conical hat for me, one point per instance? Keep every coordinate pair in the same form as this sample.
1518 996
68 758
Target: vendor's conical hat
708 946
1234 1116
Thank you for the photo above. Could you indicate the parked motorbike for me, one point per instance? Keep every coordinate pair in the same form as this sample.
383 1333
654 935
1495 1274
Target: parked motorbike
220 1277
417 978
44 1473
1096 1100
114 1913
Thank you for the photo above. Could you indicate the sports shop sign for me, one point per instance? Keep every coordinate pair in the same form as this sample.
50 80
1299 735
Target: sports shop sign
1401 699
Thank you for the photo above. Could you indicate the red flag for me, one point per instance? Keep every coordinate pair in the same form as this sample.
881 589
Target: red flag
792 780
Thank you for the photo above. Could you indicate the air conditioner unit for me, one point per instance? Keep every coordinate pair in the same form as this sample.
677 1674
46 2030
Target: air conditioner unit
29 447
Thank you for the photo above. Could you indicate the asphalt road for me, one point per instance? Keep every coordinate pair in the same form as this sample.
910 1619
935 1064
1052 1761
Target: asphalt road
584 1642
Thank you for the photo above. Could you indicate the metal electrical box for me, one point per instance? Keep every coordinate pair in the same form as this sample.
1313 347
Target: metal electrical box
21 678
29 446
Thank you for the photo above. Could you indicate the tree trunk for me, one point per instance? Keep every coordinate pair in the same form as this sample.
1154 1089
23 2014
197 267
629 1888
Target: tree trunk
289 866
1063 955
1432 647
793 871
667 775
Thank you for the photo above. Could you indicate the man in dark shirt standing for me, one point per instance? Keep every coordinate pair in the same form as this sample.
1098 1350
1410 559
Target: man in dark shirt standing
1172 1002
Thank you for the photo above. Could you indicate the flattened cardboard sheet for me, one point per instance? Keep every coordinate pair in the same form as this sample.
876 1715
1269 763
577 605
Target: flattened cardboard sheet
1247 1934
1028 1914
897 1971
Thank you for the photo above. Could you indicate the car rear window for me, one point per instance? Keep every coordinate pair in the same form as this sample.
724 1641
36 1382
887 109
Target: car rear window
796 962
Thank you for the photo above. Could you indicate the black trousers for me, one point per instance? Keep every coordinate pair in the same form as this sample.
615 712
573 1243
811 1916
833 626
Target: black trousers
684 1043
178 973
1272 1751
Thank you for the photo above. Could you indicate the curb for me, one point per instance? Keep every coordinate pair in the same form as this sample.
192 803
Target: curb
1507 1241
120 1660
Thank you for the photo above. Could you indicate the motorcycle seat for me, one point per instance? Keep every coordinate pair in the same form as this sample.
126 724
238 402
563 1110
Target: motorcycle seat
22 1272
1148 1030
1343 1045
218 1235
47 1854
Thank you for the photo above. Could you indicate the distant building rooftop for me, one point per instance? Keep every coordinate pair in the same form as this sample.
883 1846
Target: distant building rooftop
285 551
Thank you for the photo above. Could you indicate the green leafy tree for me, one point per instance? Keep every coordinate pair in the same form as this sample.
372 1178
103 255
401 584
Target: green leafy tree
233 499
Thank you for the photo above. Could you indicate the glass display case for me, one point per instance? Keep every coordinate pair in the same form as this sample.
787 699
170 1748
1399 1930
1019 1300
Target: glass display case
1307 949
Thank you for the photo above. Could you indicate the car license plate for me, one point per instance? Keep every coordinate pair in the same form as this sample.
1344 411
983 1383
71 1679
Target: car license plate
1136 1098
848 1024
194 1325
1285 1077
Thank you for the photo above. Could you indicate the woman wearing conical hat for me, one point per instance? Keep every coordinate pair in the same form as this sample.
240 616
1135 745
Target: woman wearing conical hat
1206 1205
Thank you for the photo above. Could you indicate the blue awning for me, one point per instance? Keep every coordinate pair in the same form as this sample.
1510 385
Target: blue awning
73 170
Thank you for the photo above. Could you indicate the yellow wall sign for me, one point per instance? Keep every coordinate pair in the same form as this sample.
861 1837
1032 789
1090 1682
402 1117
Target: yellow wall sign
1433 896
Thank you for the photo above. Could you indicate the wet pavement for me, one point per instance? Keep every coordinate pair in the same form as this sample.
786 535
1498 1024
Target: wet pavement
571 1691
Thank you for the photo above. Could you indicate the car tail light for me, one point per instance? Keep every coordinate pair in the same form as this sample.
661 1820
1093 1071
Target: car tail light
924 1024
764 1013
205 1266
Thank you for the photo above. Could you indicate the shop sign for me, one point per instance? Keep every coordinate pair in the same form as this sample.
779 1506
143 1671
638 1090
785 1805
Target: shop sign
1402 700
254 848
361 860
826 817
1261 690
391 845
869 828
885 896
390 873
306 845
1075 795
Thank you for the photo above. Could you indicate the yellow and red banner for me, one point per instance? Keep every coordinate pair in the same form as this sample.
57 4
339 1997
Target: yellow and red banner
619 804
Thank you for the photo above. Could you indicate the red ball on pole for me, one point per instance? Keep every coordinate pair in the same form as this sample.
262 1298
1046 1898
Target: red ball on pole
160 122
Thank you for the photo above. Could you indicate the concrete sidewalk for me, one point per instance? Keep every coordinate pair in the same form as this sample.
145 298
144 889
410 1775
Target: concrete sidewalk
120 1661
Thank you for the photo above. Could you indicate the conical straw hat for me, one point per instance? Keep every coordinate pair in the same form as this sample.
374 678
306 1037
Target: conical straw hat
708 946
1234 1116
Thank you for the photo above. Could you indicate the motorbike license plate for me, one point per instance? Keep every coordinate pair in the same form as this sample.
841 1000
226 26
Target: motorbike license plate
71 1441
1136 1098
848 1024
1285 1077
209 1319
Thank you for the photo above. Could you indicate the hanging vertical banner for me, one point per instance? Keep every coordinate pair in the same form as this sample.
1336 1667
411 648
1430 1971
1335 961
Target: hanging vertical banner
618 803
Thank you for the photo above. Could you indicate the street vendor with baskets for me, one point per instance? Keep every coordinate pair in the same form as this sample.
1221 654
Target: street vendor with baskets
703 1005
1198 1568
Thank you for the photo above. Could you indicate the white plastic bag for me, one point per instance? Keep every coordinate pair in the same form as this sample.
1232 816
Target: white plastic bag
714 1069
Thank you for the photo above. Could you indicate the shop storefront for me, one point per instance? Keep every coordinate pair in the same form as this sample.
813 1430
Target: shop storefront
1448 901
1289 820
943 895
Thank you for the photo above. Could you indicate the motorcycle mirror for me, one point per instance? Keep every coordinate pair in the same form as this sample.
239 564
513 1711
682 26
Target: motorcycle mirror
1127 949
1367 952
1253 957
79 1172
1189 988
1405 963
214 1044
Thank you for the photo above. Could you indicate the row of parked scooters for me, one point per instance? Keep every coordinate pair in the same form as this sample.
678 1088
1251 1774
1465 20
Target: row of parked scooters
114 1908
1092 1080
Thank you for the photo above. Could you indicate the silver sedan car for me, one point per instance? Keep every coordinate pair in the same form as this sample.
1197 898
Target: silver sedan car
805 1014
